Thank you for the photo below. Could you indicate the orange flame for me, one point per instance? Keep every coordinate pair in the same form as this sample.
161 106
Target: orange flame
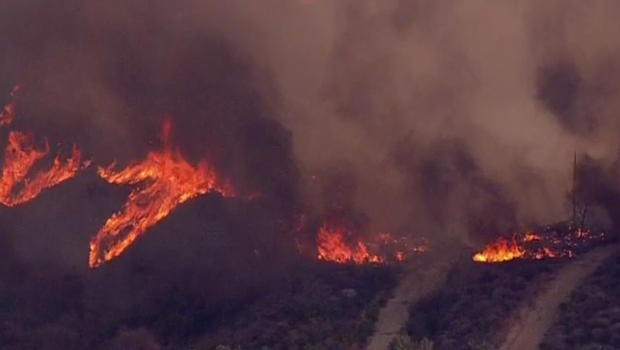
8 112
335 244
531 237
534 246
168 180
501 250
331 246
544 253
20 156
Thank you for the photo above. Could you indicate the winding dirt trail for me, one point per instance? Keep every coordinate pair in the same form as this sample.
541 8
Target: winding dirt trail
527 333
419 279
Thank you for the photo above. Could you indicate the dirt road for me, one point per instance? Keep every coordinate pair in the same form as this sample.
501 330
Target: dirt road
536 318
419 280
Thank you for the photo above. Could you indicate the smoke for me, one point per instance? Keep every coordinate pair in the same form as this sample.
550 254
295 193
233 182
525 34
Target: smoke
517 87
451 118
454 120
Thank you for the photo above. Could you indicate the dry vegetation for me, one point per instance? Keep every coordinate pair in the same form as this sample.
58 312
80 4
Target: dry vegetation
473 307
331 307
591 318
323 306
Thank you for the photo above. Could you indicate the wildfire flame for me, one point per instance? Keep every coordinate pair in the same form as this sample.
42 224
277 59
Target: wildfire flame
335 243
165 180
332 246
501 250
21 155
537 247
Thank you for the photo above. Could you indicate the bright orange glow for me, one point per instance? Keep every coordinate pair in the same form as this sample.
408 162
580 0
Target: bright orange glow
534 246
8 112
332 246
531 237
501 250
399 256
166 180
20 156
544 253
336 243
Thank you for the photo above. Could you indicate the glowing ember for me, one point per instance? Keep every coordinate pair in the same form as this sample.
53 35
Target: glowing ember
332 246
501 250
8 112
531 237
20 156
400 248
166 180
544 253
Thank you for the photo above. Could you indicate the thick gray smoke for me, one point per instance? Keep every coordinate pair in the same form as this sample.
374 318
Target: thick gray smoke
453 117
454 120
449 117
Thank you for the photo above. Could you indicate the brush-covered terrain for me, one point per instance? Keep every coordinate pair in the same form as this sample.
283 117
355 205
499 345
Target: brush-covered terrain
217 281
474 306
330 306
319 306
591 318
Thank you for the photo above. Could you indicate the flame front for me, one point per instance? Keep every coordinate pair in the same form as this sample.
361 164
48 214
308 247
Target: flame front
20 156
337 243
332 246
534 246
166 180
501 250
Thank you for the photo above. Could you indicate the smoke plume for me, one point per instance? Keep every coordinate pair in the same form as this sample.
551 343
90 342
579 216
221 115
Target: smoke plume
451 118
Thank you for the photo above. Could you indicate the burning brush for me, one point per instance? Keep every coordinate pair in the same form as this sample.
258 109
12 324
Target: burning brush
21 156
163 181
336 243
549 244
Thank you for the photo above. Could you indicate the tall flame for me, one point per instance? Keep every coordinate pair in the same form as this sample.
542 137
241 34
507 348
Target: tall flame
166 180
501 250
21 155
332 246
